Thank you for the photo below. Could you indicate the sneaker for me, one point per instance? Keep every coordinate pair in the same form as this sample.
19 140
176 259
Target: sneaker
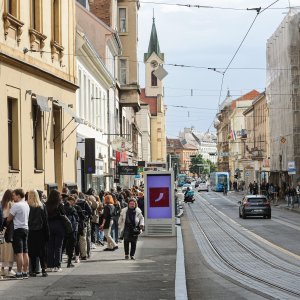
126 257
55 270
70 266
11 273
132 257
59 269
93 246
44 274
25 275
19 276
77 260
115 248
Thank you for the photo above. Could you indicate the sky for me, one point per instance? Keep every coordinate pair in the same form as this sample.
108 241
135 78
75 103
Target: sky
207 37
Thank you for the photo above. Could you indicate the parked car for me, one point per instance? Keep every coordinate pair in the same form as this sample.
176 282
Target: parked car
202 186
255 205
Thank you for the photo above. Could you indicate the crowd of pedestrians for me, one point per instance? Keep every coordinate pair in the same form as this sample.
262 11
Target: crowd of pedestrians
35 230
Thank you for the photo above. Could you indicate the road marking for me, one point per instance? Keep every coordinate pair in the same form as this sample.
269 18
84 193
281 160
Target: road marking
287 224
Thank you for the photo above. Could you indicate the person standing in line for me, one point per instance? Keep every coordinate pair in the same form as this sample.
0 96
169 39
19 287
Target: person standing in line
6 249
107 222
19 214
131 222
72 215
116 216
38 235
57 231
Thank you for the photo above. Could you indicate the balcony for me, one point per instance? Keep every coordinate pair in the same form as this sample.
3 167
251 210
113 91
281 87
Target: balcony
130 96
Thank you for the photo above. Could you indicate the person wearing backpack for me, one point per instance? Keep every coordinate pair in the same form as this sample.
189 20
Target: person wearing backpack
116 216
107 222
71 239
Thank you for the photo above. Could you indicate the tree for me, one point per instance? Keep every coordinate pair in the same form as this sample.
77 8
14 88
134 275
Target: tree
199 165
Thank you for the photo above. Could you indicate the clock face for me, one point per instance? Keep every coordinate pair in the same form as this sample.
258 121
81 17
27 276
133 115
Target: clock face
154 63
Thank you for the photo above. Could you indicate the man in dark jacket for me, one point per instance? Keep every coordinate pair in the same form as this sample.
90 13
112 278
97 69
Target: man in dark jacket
72 215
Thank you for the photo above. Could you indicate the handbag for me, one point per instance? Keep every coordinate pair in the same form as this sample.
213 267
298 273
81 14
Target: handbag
9 233
67 224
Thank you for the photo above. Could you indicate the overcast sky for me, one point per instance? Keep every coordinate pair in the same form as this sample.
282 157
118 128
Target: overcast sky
208 38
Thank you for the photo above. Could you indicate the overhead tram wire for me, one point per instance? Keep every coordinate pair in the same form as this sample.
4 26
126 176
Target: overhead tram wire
258 10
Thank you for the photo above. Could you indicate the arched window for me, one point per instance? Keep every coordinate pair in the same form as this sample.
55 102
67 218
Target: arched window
153 79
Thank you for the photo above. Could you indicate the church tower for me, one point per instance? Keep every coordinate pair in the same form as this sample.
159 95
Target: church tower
153 59
152 95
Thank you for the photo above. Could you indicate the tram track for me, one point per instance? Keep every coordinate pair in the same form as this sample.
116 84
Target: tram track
277 271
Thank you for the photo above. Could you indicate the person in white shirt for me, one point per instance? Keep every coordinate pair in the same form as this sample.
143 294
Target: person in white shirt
19 214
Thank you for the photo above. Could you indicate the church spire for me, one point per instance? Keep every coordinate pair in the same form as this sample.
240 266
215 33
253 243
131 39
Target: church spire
153 43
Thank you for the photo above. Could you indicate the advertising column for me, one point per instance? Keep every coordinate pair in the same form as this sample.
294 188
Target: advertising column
159 203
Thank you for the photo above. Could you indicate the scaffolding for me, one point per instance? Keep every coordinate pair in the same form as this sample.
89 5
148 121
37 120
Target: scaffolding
283 94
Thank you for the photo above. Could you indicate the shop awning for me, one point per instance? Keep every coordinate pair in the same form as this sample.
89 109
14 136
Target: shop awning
42 102
69 111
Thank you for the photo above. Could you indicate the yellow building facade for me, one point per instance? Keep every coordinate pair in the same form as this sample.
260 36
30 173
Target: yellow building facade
37 86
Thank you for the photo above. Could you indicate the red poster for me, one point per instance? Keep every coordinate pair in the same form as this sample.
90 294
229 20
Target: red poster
159 197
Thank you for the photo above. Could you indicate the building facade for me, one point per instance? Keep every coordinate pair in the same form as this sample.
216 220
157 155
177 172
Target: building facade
152 95
283 97
38 84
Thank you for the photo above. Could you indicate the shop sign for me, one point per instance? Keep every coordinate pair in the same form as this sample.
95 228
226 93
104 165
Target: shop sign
128 170
291 168
121 144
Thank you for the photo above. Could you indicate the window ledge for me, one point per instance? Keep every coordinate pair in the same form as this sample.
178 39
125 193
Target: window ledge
36 36
13 171
38 171
58 49
123 33
11 21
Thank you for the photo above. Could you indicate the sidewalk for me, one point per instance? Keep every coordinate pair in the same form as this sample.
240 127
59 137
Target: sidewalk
282 204
106 275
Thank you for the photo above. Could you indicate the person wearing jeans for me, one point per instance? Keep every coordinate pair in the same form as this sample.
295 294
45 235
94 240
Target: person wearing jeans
131 222
19 214
108 222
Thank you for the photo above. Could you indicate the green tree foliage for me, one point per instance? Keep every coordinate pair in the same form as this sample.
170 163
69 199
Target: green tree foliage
199 165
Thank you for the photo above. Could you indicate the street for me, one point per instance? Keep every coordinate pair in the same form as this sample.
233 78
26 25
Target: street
234 258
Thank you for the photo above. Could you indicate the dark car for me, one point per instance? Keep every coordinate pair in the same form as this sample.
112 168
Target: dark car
255 205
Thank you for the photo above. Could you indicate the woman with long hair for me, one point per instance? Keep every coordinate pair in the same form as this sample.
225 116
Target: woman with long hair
131 222
57 231
38 235
6 250
107 222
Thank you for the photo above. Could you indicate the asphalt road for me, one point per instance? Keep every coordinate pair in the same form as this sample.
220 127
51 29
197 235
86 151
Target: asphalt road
203 282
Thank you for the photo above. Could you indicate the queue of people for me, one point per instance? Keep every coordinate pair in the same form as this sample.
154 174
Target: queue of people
36 230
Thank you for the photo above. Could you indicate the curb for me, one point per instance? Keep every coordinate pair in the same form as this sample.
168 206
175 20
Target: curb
180 279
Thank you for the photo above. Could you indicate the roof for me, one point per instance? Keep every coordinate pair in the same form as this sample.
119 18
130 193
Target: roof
249 96
153 44
174 143
151 101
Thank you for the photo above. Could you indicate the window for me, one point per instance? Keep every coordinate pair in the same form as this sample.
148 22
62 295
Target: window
36 15
79 93
123 71
13 134
11 7
37 136
122 20
153 79
56 21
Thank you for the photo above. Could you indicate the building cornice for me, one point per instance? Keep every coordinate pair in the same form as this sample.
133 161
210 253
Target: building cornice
22 65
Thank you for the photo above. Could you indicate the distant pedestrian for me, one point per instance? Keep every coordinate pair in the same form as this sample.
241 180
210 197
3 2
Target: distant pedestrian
251 188
19 214
131 223
107 222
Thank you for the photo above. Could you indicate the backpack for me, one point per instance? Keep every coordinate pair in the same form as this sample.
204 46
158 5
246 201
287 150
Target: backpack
117 211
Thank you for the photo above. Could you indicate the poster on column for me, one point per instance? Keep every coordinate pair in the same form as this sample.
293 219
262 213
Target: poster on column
159 204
